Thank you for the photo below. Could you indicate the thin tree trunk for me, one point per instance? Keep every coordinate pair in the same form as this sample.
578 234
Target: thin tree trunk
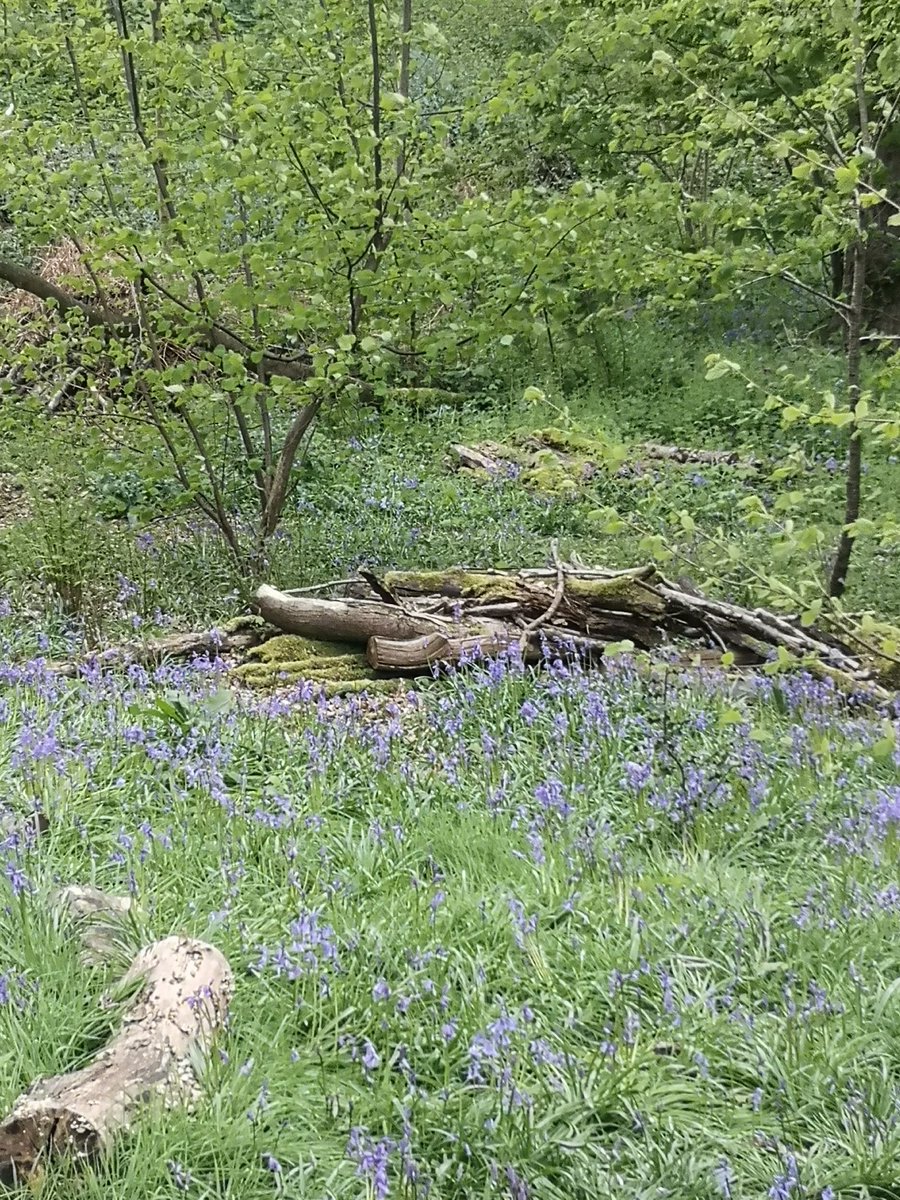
278 489
853 495
405 48
855 323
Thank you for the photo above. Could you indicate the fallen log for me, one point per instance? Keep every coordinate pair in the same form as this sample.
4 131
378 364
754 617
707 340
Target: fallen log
610 606
709 458
765 626
419 653
588 608
474 459
240 635
357 621
185 989
408 621
539 449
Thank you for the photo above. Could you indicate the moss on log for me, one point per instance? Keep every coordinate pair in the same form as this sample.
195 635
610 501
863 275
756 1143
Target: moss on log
621 593
289 658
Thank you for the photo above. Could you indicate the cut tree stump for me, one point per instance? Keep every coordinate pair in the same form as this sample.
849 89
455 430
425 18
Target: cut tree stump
181 1004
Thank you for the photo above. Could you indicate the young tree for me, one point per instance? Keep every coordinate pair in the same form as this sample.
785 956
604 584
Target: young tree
763 142
264 217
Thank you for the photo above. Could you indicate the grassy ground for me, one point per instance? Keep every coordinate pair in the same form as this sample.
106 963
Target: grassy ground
564 936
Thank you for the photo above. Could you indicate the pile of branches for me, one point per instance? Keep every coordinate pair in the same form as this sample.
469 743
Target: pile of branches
411 621
499 460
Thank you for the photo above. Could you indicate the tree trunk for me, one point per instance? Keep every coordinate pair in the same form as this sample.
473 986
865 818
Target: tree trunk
883 247
183 1002
838 581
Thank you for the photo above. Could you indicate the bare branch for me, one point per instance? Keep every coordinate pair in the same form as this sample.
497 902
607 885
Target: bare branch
210 336
43 289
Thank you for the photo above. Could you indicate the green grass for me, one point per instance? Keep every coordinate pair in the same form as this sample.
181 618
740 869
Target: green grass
599 936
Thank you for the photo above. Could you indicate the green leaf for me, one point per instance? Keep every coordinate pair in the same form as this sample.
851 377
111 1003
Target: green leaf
722 367
811 615
884 748
730 716
346 341
612 649
863 525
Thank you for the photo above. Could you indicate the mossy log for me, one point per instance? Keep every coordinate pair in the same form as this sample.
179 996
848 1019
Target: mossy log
559 462
611 606
705 458
185 987
288 658
589 608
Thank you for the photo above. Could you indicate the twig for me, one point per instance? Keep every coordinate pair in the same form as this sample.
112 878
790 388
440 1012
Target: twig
554 603
320 587
62 391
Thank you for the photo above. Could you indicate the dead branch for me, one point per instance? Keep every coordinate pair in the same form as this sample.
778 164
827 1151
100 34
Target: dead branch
557 600
244 633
